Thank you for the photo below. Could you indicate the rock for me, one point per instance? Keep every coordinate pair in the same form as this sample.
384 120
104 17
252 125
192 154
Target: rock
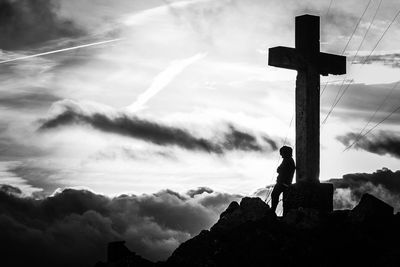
237 222
231 209
371 208
250 234
338 216
117 251
250 209
118 255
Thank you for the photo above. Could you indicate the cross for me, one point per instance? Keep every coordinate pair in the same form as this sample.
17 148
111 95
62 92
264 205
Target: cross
310 63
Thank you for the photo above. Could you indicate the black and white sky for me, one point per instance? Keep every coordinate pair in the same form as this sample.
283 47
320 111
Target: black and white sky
178 94
156 98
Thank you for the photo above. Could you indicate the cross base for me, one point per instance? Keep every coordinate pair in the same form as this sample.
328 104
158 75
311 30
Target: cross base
318 196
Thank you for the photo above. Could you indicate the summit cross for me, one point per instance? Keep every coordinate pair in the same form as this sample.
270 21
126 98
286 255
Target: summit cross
310 63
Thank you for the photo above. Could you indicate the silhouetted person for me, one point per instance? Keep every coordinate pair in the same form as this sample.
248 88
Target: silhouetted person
285 175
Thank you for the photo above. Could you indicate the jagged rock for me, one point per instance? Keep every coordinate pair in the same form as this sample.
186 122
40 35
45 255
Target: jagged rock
250 209
212 248
249 234
303 237
117 251
371 208
118 255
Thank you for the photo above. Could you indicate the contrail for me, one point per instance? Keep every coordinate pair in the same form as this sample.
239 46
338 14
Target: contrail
60 50
163 79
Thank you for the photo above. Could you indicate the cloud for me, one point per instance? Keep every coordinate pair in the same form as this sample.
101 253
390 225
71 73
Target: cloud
201 16
384 184
55 230
28 23
37 99
13 145
382 143
8 189
127 125
43 180
12 149
361 100
199 191
391 60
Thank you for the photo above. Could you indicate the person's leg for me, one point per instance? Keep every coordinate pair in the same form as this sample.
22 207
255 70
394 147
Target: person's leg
275 196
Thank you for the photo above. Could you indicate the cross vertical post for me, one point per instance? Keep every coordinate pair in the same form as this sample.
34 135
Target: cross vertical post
309 63
307 100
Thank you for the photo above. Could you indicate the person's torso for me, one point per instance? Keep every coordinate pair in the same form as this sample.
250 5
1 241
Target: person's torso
286 171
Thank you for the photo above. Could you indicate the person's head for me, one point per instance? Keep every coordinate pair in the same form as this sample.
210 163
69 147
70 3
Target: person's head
286 152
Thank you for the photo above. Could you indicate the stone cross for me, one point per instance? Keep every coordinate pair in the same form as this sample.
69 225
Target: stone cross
310 63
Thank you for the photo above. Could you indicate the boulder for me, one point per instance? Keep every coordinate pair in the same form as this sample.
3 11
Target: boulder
118 255
371 208
250 209
250 234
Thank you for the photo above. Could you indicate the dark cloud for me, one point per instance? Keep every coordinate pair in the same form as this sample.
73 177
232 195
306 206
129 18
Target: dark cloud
8 189
391 60
199 191
132 126
381 143
384 184
47 178
25 23
55 231
236 139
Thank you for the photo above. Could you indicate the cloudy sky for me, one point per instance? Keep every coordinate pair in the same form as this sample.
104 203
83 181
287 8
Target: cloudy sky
144 96
178 94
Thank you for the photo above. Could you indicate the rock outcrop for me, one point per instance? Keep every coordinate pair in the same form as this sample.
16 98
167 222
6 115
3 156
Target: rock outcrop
118 255
250 234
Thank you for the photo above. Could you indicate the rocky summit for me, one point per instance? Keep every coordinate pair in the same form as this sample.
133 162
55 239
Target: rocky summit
250 234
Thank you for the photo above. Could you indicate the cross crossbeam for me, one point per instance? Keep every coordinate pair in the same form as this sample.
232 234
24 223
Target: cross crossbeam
290 58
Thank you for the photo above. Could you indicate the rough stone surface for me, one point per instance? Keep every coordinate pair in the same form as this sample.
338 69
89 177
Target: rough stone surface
318 196
250 209
371 208
118 255
249 234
